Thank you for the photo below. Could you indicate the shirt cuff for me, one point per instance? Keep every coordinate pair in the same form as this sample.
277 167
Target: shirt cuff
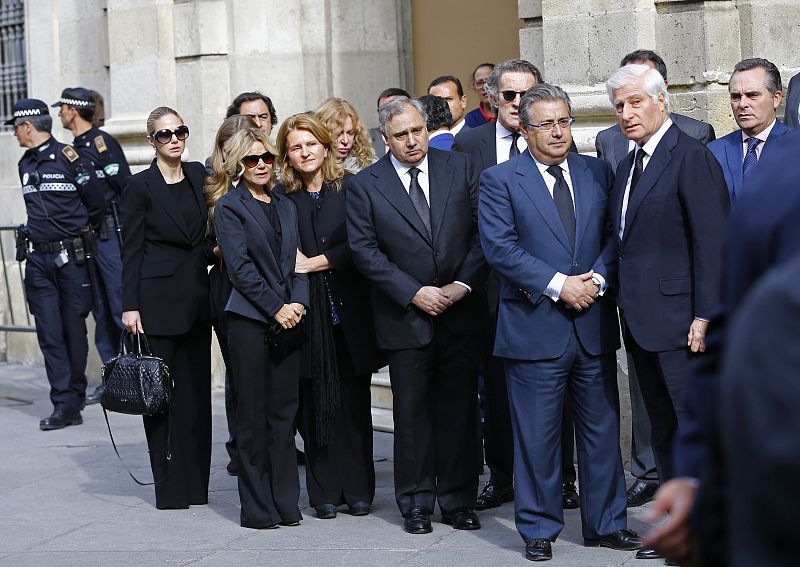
601 281
553 290
469 289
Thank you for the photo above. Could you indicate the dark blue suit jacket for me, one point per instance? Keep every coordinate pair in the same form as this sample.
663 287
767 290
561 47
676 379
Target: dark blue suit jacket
792 118
391 247
525 243
670 255
729 153
262 283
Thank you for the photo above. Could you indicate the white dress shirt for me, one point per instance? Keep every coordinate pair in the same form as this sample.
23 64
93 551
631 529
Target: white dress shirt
424 182
763 135
556 284
503 138
458 127
649 147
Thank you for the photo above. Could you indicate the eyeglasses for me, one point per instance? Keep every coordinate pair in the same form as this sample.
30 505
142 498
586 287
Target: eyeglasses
509 96
549 125
165 135
252 160
479 82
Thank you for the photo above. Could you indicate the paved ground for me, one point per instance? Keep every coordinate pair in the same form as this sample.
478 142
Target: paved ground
65 500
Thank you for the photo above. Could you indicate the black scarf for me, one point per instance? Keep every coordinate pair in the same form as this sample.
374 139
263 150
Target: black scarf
324 374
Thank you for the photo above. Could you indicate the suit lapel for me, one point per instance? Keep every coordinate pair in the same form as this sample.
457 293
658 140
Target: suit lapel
620 146
389 185
153 181
582 194
620 181
258 214
286 225
440 178
734 158
655 167
532 184
488 147
196 182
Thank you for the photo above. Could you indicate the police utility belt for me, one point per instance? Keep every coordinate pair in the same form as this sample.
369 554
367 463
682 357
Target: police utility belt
75 247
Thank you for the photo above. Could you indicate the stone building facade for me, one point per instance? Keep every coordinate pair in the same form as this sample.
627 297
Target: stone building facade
195 55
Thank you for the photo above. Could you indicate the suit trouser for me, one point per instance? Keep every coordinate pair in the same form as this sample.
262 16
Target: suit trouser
536 390
185 433
662 378
59 300
269 393
435 396
342 471
108 315
643 461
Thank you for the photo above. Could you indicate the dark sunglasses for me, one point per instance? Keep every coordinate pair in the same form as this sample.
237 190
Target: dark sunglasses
509 96
252 160
165 135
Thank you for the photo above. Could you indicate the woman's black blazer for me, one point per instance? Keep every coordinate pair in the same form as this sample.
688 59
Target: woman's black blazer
323 230
164 269
262 283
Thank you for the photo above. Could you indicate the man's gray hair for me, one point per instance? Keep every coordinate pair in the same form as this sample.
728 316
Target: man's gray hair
511 66
41 122
544 91
398 106
652 81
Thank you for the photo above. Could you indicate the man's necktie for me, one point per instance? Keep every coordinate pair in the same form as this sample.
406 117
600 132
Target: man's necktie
514 150
418 199
638 166
750 158
563 201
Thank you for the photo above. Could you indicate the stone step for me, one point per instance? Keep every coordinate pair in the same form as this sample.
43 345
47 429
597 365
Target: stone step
381 390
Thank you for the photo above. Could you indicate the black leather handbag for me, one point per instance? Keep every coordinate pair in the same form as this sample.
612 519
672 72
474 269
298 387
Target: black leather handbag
136 382
283 342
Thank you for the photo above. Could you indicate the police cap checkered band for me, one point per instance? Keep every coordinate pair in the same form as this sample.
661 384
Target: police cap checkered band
29 112
77 97
75 102
27 107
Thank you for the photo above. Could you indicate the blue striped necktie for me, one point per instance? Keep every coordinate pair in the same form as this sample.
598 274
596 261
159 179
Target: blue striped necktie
750 158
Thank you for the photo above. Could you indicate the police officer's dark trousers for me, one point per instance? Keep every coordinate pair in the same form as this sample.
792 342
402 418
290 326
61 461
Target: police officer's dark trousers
108 315
60 299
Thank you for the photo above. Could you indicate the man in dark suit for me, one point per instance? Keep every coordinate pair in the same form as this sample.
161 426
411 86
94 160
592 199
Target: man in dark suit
543 226
755 89
792 113
412 227
762 233
669 211
488 145
612 145
388 95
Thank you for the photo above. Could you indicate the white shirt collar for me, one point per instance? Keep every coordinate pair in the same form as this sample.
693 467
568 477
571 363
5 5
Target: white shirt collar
501 131
763 135
458 127
402 169
564 165
651 144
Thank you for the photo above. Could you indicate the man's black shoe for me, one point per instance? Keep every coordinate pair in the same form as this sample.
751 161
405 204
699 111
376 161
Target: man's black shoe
417 521
623 540
569 496
233 467
325 511
493 496
94 397
640 493
60 419
538 550
360 508
648 553
462 519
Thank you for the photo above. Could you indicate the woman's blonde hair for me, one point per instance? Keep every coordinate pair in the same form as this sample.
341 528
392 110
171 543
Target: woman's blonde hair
333 113
239 146
157 114
216 184
332 171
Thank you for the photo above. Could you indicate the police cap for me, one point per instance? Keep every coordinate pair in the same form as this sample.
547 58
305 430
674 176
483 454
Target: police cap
77 97
27 107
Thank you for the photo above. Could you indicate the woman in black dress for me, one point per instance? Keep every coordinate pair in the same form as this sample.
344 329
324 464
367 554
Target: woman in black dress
257 231
165 294
339 358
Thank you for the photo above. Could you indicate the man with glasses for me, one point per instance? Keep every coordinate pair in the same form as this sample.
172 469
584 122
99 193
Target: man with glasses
543 225
489 145
484 113
63 202
77 107
258 107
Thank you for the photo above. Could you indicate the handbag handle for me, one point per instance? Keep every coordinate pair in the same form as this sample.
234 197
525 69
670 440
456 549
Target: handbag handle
140 337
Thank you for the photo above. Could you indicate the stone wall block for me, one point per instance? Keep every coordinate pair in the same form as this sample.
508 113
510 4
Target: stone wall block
529 9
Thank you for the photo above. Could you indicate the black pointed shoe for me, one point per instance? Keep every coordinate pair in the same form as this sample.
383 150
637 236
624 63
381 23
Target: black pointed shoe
417 521
569 496
538 550
60 419
325 511
640 493
493 495
622 540
461 519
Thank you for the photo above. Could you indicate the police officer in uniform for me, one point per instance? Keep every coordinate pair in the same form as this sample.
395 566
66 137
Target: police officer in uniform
63 203
110 167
